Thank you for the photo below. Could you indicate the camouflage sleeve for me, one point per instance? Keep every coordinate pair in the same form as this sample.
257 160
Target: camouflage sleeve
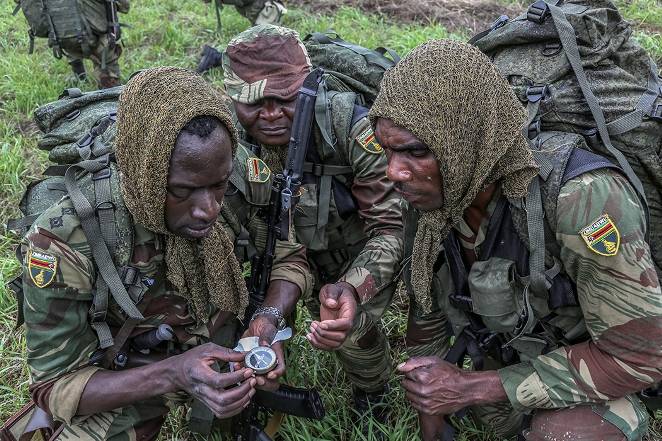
57 283
601 229
290 264
379 206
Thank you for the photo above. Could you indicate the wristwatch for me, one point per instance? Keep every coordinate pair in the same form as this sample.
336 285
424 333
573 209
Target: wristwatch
272 311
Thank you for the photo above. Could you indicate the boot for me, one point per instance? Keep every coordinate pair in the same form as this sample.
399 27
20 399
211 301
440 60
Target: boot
106 81
78 68
210 58
371 404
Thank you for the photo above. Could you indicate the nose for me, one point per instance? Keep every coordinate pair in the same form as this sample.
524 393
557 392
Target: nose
205 207
271 110
396 170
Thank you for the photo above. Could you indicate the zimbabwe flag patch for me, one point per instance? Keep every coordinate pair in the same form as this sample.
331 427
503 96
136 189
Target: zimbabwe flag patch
367 140
601 236
41 267
257 170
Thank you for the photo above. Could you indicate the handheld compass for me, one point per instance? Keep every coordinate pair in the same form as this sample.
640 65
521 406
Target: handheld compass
261 359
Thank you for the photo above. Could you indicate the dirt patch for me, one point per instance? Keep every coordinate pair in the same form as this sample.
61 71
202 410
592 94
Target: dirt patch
28 128
456 15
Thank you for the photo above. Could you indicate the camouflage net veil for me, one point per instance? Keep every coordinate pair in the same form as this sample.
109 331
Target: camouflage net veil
153 108
451 97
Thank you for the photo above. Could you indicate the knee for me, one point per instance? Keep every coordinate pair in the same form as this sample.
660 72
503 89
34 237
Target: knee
577 423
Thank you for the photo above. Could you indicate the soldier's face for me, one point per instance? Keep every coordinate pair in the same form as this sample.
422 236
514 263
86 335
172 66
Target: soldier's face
197 179
268 122
411 166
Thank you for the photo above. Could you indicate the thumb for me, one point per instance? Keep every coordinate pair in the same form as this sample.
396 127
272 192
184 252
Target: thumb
329 294
416 362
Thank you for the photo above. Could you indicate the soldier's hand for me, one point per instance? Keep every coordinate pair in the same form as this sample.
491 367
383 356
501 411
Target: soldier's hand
264 326
337 311
226 394
436 387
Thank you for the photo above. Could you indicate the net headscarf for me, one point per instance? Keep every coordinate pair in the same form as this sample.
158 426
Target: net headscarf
153 108
451 97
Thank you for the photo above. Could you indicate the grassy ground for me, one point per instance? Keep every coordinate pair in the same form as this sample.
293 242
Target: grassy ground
166 32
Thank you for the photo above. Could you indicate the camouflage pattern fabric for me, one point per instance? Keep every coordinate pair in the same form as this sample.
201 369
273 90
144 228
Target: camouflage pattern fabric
260 11
620 306
364 250
105 77
60 339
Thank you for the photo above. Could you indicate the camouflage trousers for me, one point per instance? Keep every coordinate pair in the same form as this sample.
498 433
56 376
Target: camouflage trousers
365 355
259 11
622 419
106 76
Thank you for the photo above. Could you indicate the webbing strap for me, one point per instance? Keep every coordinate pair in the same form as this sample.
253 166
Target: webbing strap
536 232
633 119
569 42
327 169
22 223
105 207
324 199
100 251
323 115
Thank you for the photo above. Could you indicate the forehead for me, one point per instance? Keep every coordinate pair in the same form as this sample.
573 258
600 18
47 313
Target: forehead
193 156
392 136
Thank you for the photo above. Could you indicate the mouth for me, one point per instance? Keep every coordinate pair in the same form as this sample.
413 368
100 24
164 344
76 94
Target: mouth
198 232
274 131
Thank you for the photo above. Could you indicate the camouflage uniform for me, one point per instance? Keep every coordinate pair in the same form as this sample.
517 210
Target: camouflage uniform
596 351
364 249
60 339
259 11
348 216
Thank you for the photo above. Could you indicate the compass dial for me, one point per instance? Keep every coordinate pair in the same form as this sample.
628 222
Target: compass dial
261 359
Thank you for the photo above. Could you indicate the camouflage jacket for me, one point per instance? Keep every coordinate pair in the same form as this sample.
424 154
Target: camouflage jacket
363 248
611 340
59 282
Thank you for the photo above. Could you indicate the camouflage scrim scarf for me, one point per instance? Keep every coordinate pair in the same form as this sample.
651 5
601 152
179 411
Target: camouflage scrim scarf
451 97
153 108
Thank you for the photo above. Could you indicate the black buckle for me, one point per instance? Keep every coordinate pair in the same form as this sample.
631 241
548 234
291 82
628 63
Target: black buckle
534 129
72 115
499 22
537 92
656 114
97 316
107 205
130 275
463 303
538 12
85 141
104 173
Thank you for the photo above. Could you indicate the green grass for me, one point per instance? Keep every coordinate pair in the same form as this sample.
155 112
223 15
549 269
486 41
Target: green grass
167 32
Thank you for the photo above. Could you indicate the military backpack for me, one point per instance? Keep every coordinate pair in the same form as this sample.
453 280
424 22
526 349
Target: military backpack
68 23
575 67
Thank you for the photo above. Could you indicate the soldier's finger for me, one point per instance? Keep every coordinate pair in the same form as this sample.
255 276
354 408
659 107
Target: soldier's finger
223 380
330 335
231 409
323 343
411 387
341 324
279 370
329 294
224 354
230 396
416 362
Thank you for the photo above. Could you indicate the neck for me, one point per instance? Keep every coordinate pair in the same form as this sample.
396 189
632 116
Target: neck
477 211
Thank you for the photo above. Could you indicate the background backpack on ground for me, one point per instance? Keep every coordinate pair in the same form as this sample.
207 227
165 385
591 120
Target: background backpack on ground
71 22
576 68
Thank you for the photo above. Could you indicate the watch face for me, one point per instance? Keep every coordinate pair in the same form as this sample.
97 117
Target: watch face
261 359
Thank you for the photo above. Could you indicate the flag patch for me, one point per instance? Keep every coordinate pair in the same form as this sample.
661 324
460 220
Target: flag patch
257 170
601 236
368 141
41 267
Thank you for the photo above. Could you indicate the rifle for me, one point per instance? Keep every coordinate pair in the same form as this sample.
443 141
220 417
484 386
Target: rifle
114 30
284 196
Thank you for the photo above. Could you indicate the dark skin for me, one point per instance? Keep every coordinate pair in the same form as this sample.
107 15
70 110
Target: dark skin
433 386
197 179
269 123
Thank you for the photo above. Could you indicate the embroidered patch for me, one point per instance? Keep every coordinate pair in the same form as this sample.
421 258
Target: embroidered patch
602 236
41 267
368 141
257 170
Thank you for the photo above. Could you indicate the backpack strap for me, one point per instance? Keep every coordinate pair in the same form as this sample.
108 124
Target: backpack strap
569 42
110 279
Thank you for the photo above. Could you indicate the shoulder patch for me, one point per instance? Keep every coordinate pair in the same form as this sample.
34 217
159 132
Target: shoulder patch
257 170
41 267
601 236
367 140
